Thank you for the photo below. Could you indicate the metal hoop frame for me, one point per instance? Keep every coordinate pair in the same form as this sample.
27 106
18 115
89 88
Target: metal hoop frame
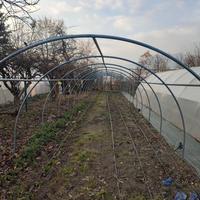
94 38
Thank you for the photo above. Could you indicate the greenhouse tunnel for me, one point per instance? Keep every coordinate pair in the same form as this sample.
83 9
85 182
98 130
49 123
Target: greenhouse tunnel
168 101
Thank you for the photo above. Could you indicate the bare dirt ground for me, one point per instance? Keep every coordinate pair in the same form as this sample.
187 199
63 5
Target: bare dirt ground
108 152
27 124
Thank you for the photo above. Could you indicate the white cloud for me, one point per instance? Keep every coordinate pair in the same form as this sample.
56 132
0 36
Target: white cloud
175 40
123 23
58 8
111 4
135 5
108 17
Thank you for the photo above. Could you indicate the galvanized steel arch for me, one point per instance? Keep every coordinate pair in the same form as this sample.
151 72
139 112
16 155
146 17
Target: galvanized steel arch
157 99
96 64
142 66
93 36
74 60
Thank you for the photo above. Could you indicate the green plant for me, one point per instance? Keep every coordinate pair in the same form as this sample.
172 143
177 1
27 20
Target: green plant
60 123
67 115
46 133
83 156
49 165
68 170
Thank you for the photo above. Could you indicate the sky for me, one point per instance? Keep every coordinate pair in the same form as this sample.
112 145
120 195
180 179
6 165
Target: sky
171 25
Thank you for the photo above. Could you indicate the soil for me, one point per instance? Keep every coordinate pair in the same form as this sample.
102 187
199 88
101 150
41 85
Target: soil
28 122
105 155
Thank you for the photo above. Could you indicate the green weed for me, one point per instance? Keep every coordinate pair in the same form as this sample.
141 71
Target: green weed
68 170
46 133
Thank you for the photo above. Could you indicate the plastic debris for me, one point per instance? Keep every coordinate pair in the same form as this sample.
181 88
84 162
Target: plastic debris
194 196
180 146
167 182
180 196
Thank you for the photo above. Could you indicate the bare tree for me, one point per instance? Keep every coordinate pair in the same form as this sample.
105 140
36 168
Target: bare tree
41 59
146 59
190 60
22 67
193 59
20 10
28 65
157 62
51 54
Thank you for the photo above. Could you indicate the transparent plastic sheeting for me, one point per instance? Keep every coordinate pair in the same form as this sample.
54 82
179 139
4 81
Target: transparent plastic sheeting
187 96
6 97
173 135
41 88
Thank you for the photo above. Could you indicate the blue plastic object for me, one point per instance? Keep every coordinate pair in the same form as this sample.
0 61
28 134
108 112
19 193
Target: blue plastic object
167 182
180 196
194 196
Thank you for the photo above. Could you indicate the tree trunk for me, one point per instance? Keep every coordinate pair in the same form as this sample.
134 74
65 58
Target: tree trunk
16 102
55 91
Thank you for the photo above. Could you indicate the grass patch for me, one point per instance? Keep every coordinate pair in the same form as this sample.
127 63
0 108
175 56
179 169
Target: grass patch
79 162
94 191
46 133
83 156
60 123
68 171
78 108
88 137
10 177
49 165
20 191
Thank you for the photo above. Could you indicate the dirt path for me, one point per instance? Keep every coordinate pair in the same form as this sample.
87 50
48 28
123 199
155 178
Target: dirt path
113 153
122 160
88 169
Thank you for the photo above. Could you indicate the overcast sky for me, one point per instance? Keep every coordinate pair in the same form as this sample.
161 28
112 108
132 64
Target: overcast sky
171 25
